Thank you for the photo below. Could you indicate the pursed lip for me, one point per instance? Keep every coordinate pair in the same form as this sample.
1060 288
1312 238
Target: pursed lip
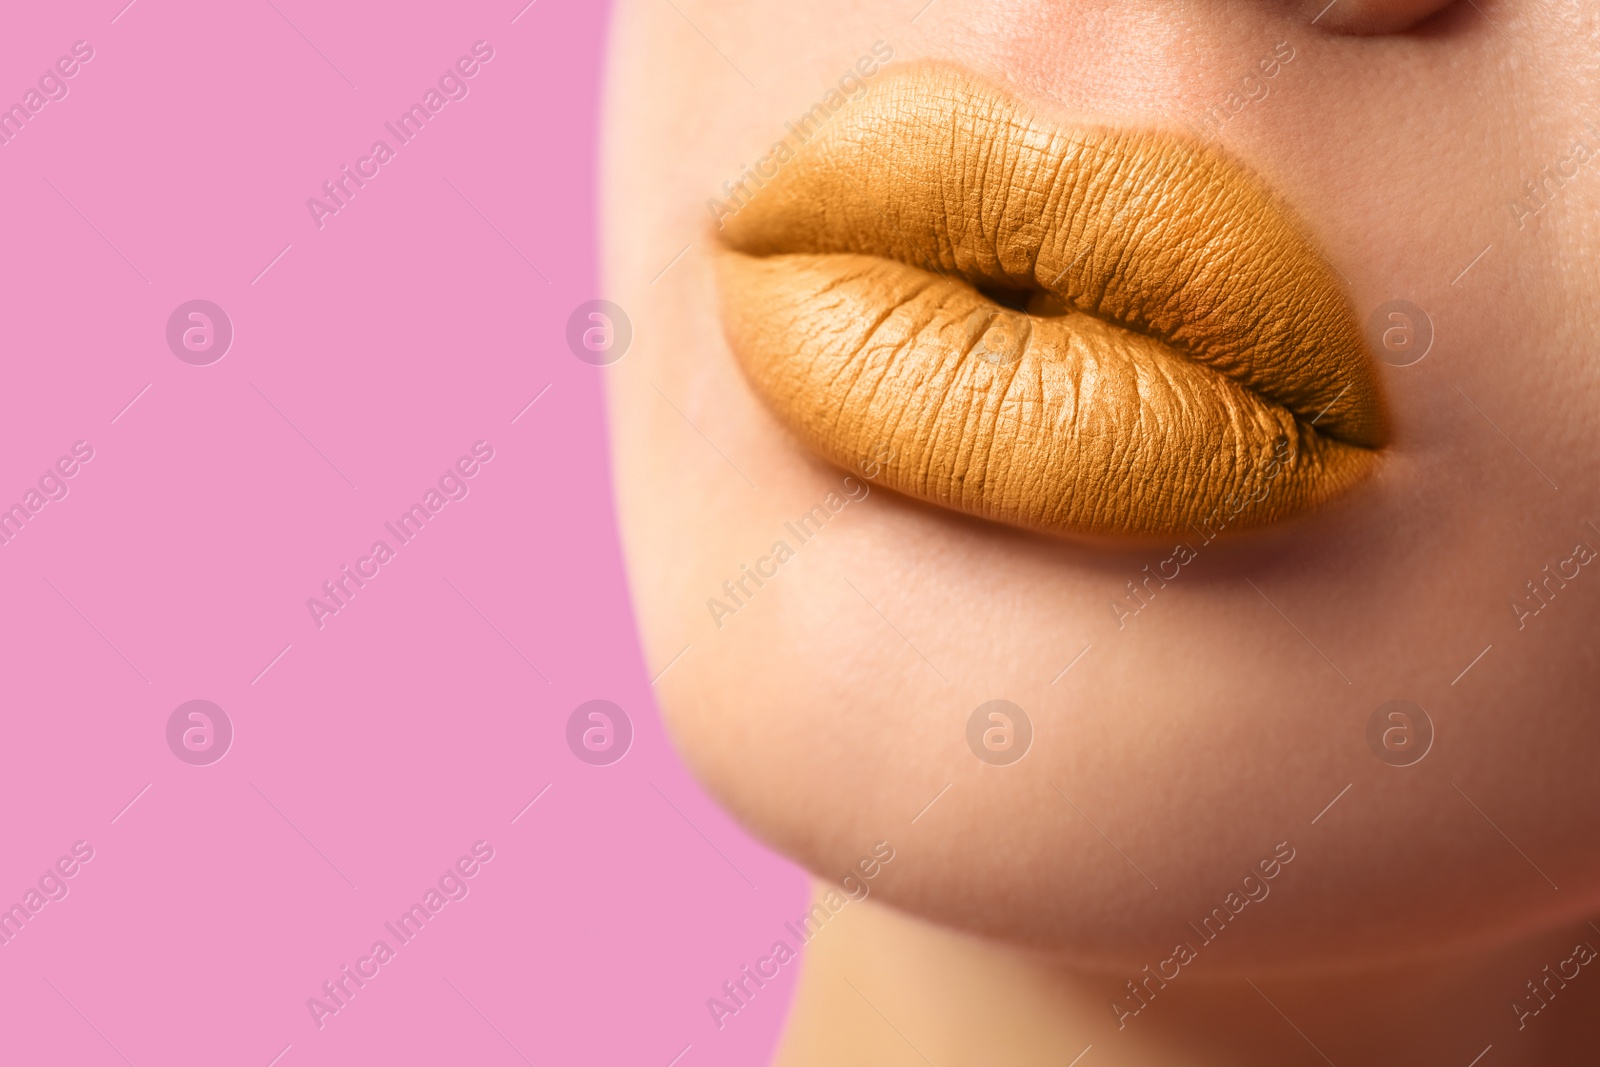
1079 329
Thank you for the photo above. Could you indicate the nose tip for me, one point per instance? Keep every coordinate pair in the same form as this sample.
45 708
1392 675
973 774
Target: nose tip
1372 17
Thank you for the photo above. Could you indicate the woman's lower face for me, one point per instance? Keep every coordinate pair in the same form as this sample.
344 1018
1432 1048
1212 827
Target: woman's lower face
1131 461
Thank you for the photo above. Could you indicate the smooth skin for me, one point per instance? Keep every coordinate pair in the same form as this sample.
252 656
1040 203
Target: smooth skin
1215 714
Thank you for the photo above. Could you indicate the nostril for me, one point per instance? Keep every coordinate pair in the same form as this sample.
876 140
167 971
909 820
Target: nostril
1370 17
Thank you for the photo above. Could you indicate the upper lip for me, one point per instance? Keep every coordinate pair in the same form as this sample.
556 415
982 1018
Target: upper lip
1199 317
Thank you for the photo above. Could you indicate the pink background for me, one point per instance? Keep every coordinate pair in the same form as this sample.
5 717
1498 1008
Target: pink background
373 752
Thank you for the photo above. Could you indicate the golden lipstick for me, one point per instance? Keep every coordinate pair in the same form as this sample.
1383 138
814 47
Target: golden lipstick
1077 329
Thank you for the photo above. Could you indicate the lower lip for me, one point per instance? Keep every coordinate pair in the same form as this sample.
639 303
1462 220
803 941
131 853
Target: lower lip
1063 423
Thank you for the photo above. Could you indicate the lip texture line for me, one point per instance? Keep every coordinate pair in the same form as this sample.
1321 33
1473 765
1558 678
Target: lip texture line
1083 330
